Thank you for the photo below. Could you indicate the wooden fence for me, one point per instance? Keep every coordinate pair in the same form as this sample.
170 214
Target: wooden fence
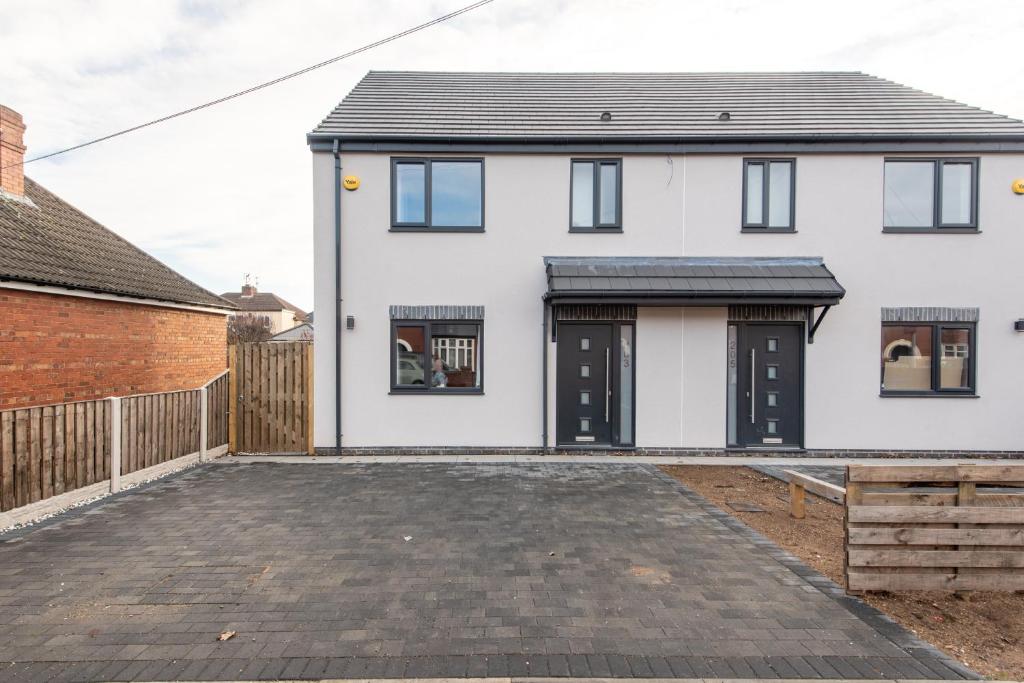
949 527
218 404
48 450
156 428
51 450
273 383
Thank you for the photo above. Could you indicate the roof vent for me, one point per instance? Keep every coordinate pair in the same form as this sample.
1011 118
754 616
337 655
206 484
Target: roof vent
606 116
724 116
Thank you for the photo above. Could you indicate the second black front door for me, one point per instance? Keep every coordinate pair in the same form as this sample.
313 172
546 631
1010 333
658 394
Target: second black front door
586 358
769 400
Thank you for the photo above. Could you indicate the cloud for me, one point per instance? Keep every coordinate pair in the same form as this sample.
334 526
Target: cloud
227 191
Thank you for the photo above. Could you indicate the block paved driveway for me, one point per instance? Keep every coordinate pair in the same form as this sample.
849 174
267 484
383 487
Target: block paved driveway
426 570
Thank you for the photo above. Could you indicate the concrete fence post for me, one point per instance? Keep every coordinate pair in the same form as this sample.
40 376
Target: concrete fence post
115 444
203 413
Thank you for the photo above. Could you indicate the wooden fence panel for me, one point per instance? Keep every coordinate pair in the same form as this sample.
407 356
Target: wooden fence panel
157 428
49 450
217 412
961 527
273 404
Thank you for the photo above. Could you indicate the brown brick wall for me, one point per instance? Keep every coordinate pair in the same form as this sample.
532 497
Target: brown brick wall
12 151
55 349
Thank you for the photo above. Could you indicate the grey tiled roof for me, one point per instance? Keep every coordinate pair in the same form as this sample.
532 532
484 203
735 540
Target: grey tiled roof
263 301
651 106
53 243
711 279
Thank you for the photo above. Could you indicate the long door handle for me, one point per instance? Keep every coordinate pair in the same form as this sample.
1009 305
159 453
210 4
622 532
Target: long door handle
607 381
753 379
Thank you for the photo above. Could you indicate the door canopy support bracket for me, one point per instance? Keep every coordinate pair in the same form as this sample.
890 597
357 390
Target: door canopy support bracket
817 322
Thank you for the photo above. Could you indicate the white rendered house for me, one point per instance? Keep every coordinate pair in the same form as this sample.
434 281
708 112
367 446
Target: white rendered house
666 263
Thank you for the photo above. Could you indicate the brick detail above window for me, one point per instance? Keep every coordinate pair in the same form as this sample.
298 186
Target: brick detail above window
436 312
929 314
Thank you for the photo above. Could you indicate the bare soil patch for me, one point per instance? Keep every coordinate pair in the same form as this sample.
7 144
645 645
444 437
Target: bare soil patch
985 631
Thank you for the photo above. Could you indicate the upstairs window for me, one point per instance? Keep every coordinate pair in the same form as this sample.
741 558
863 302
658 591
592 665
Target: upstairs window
596 195
930 194
768 196
437 194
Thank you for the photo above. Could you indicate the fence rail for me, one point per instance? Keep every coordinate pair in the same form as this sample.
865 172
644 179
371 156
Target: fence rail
949 527
51 450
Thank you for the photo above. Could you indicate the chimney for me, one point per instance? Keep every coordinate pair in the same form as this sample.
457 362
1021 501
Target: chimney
12 153
248 290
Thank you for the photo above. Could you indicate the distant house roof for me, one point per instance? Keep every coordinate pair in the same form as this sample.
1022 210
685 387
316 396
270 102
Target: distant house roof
263 302
565 107
50 242
693 280
301 332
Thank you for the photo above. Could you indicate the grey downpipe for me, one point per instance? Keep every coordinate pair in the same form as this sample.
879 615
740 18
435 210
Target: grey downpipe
544 382
337 299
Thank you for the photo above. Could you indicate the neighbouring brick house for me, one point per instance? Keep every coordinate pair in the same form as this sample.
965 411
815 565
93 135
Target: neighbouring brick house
84 313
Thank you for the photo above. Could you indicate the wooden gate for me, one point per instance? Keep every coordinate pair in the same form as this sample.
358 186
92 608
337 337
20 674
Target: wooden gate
273 386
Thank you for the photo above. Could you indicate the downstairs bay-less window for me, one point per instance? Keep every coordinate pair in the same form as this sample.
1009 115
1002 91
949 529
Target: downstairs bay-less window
928 359
436 356
437 194
931 195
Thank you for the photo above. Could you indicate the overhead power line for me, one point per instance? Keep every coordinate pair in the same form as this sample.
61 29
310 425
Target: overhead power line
267 84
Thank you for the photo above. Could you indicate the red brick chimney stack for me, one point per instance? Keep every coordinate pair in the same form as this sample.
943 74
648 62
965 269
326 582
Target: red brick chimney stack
12 152
248 290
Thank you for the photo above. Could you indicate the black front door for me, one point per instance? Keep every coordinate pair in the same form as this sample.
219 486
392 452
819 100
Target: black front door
769 399
584 384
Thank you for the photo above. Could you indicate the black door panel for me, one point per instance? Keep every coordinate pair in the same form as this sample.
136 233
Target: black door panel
584 377
770 400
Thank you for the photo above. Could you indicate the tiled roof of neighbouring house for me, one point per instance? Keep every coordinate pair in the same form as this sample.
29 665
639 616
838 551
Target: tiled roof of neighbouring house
651 106
50 242
263 302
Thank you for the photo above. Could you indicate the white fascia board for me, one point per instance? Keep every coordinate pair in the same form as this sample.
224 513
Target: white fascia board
102 296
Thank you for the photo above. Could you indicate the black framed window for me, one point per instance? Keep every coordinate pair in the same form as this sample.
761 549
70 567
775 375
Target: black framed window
437 194
595 195
930 195
921 359
769 194
437 356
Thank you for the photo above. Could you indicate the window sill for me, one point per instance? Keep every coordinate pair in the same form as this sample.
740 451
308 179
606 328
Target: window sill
425 392
926 394
769 231
403 228
932 231
596 231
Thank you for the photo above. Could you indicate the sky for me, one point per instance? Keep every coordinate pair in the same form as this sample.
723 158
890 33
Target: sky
227 191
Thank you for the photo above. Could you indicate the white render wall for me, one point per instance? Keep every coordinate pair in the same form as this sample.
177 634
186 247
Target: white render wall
838 216
672 206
